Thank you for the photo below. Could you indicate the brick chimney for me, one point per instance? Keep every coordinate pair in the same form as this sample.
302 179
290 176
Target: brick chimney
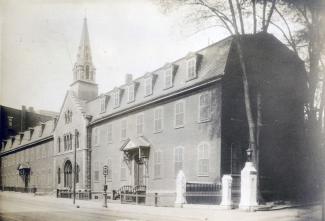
128 78
23 118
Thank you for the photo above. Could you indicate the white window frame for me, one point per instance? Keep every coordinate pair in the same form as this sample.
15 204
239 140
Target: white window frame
140 124
116 96
158 164
124 126
148 88
131 92
103 104
157 118
96 136
203 156
178 160
191 67
168 75
177 112
207 105
110 133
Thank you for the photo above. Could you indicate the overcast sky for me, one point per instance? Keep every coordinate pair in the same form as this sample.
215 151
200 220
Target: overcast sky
40 40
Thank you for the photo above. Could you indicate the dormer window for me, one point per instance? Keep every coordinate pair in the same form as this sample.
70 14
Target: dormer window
21 136
130 92
103 104
170 70
10 121
148 86
191 68
116 98
41 129
31 130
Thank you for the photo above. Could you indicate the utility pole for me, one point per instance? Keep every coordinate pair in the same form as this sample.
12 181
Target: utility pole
75 164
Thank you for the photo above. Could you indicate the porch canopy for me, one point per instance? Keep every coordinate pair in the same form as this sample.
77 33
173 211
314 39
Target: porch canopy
23 169
134 145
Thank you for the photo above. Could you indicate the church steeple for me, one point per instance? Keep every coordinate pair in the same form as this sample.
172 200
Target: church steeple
84 69
84 72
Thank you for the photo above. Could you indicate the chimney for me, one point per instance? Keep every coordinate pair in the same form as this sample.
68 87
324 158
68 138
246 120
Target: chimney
128 78
55 121
23 118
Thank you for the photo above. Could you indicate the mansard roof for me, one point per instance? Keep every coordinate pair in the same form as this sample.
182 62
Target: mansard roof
211 63
29 137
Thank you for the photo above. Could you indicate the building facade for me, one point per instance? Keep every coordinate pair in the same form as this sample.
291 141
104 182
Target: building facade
182 116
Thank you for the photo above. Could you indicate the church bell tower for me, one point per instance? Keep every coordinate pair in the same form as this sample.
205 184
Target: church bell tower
84 73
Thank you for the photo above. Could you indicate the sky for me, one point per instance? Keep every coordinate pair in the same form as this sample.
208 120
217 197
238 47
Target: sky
39 41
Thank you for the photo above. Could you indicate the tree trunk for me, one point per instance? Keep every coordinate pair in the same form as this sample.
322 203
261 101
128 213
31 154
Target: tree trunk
240 17
254 16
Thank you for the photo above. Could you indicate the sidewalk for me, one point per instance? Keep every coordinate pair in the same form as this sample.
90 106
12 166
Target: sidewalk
203 213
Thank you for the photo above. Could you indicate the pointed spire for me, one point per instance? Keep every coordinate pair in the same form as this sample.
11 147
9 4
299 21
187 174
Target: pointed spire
84 52
84 69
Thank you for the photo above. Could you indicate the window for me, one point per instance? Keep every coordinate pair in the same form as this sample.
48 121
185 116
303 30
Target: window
178 159
87 72
68 116
59 175
59 144
123 170
110 133
204 107
76 139
203 159
109 165
157 164
169 78
96 136
191 68
158 121
123 129
103 104
96 172
10 119
140 124
131 93
77 173
179 114
148 86
116 98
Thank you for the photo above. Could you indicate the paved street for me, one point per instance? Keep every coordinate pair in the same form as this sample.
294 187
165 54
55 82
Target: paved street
26 207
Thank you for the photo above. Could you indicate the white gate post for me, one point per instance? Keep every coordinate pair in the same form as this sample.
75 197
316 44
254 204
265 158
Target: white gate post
180 189
226 192
248 187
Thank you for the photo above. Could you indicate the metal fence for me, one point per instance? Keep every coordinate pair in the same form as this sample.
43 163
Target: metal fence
19 189
80 195
203 193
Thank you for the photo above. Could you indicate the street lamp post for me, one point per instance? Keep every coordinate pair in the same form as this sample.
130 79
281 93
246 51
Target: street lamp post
75 165
105 173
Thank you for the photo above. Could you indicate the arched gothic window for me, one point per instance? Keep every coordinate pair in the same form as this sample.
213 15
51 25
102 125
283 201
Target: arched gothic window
68 174
87 72
59 175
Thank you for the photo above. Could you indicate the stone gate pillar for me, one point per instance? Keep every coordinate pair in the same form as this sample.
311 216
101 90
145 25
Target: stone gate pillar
248 187
226 192
180 189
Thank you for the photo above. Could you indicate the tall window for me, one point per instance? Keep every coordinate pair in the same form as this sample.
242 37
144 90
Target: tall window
140 124
77 173
103 104
87 72
123 170
123 129
116 98
203 159
204 107
169 78
10 119
110 169
131 93
157 164
59 144
158 119
179 114
96 136
59 175
148 86
110 133
96 172
191 68
179 157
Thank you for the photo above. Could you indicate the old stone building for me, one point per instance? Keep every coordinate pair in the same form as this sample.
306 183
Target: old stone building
187 115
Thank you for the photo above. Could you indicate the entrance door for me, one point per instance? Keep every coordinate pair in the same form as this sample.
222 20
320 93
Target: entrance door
68 174
138 171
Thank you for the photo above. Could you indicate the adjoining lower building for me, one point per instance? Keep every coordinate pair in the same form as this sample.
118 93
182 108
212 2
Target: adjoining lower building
187 115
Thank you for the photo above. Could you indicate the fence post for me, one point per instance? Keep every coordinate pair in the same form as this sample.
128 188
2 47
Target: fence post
156 199
180 189
226 192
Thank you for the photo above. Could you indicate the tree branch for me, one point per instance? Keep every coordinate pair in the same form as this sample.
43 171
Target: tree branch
269 16
240 17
